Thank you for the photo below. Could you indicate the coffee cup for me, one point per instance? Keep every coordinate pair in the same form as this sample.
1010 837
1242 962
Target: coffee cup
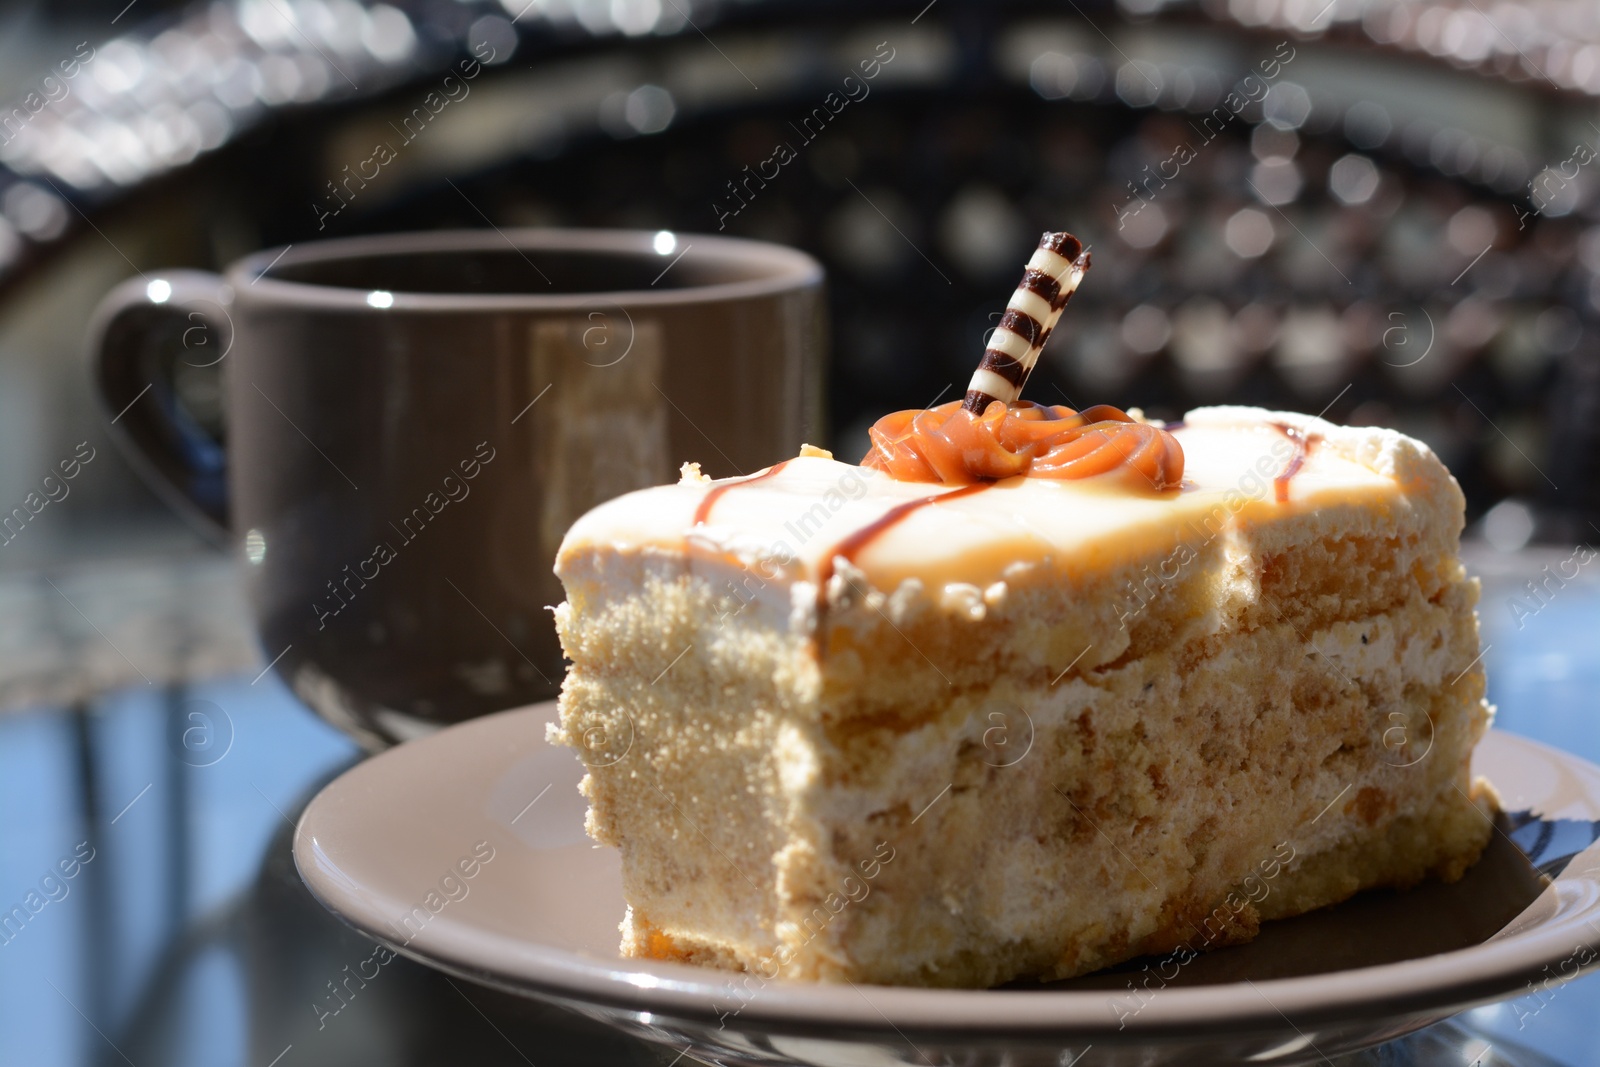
409 423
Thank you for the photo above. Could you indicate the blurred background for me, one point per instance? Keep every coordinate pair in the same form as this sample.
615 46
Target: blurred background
1384 211
1400 231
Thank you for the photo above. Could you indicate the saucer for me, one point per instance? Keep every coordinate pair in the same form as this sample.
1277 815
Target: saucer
466 851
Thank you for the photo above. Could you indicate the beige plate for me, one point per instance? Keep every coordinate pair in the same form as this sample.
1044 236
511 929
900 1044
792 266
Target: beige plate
385 845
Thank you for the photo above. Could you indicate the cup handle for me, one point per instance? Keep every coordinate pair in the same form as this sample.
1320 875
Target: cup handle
132 336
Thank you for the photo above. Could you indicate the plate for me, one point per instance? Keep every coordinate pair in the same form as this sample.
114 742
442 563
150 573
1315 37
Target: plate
466 851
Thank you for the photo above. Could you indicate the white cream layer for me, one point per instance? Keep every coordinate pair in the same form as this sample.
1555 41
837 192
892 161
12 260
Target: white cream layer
785 527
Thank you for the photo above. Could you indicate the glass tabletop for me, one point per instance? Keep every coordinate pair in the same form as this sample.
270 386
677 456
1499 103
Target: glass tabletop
150 912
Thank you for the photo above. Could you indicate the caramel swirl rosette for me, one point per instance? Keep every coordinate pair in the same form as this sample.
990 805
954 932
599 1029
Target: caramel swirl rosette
950 444
991 433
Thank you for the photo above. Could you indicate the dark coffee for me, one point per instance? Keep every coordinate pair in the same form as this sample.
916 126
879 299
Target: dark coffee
505 271
414 421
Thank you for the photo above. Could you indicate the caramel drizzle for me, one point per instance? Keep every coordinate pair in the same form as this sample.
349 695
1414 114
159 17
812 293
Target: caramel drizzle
1302 449
853 544
709 501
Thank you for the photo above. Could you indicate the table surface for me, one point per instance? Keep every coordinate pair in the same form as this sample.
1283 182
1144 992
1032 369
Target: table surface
185 937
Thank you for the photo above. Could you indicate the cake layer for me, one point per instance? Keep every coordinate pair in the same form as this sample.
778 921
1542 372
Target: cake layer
944 770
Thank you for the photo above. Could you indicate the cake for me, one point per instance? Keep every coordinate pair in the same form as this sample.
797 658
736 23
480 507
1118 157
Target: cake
945 718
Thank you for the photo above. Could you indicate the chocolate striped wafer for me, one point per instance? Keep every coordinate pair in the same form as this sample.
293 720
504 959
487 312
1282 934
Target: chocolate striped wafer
1048 282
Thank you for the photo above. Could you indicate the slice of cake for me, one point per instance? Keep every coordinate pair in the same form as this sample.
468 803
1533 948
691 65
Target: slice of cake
924 722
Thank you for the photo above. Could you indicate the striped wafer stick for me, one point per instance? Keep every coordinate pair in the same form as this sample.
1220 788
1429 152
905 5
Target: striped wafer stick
1051 277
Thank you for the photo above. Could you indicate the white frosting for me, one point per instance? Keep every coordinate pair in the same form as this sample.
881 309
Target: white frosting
961 553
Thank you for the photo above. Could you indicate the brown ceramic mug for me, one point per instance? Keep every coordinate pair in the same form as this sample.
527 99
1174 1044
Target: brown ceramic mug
410 423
